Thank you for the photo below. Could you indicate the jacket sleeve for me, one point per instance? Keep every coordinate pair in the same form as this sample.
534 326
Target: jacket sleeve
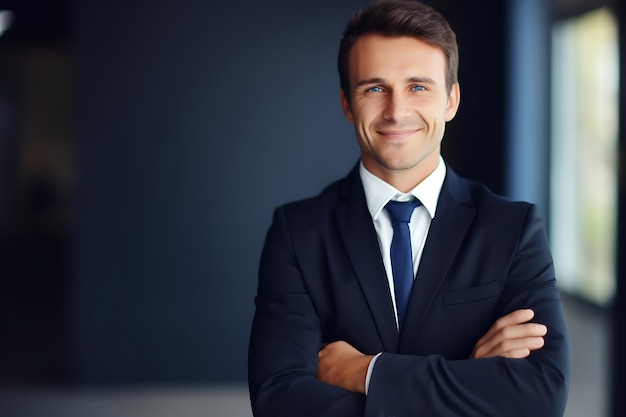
406 385
285 340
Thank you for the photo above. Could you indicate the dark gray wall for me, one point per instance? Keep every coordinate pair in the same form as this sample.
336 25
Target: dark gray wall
195 120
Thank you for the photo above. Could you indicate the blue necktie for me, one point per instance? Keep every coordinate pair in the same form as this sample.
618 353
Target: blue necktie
401 253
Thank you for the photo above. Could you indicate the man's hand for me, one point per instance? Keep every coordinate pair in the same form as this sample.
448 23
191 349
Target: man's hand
511 336
342 365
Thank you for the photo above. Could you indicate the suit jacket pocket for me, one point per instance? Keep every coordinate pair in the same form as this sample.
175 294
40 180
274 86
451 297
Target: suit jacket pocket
470 295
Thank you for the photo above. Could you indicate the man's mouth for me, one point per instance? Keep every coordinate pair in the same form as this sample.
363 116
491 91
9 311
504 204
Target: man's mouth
397 135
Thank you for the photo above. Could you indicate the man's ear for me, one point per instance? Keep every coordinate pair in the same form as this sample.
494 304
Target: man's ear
345 106
454 99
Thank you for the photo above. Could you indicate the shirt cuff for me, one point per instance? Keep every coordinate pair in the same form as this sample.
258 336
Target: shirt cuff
370 369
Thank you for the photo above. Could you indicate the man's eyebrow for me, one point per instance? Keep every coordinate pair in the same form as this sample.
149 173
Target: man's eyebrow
412 80
421 80
369 81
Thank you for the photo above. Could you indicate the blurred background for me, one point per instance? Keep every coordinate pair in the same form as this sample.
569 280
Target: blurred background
145 144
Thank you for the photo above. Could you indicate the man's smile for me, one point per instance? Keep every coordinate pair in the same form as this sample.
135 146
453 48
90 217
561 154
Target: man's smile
397 135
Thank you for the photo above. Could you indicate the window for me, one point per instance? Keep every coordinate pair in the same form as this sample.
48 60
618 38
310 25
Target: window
583 176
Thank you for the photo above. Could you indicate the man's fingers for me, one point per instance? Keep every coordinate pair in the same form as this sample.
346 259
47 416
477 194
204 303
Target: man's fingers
517 354
523 330
511 319
516 331
511 348
516 317
511 336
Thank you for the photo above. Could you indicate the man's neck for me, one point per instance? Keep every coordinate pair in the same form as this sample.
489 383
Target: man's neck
404 180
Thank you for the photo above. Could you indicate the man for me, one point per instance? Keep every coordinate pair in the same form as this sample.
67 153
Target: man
477 330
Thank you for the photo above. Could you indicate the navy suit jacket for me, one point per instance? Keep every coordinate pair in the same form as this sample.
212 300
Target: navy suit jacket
322 279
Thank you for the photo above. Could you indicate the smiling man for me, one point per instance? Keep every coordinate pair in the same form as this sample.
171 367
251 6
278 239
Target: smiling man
404 289
399 104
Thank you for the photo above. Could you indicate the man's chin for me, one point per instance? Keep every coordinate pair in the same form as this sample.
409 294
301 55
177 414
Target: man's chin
398 165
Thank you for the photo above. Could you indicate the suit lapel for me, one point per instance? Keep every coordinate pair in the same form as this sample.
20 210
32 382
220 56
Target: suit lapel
359 238
447 230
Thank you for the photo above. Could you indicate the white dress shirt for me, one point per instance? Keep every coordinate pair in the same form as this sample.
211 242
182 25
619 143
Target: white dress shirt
377 194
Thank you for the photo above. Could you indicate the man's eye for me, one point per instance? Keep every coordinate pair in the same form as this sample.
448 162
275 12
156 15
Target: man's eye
374 90
418 88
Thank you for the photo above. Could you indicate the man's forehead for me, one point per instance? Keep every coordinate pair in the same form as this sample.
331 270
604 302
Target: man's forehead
375 56
376 41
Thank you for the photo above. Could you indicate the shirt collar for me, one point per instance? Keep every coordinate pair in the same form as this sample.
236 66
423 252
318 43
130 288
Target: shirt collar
378 192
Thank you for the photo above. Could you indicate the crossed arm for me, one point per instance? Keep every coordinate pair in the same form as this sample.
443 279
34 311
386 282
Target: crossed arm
511 336
290 375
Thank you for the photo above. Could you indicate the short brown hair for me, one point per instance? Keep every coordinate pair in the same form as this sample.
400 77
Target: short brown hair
399 18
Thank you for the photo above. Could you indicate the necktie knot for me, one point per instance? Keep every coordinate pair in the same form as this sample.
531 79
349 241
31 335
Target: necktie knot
401 211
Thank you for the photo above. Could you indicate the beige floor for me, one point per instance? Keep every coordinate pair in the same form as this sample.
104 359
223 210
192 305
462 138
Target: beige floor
588 328
137 402
589 332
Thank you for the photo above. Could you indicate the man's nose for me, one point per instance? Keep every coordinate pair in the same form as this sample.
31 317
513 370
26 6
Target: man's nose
397 107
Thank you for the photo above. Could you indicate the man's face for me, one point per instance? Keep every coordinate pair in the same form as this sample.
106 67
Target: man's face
399 104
